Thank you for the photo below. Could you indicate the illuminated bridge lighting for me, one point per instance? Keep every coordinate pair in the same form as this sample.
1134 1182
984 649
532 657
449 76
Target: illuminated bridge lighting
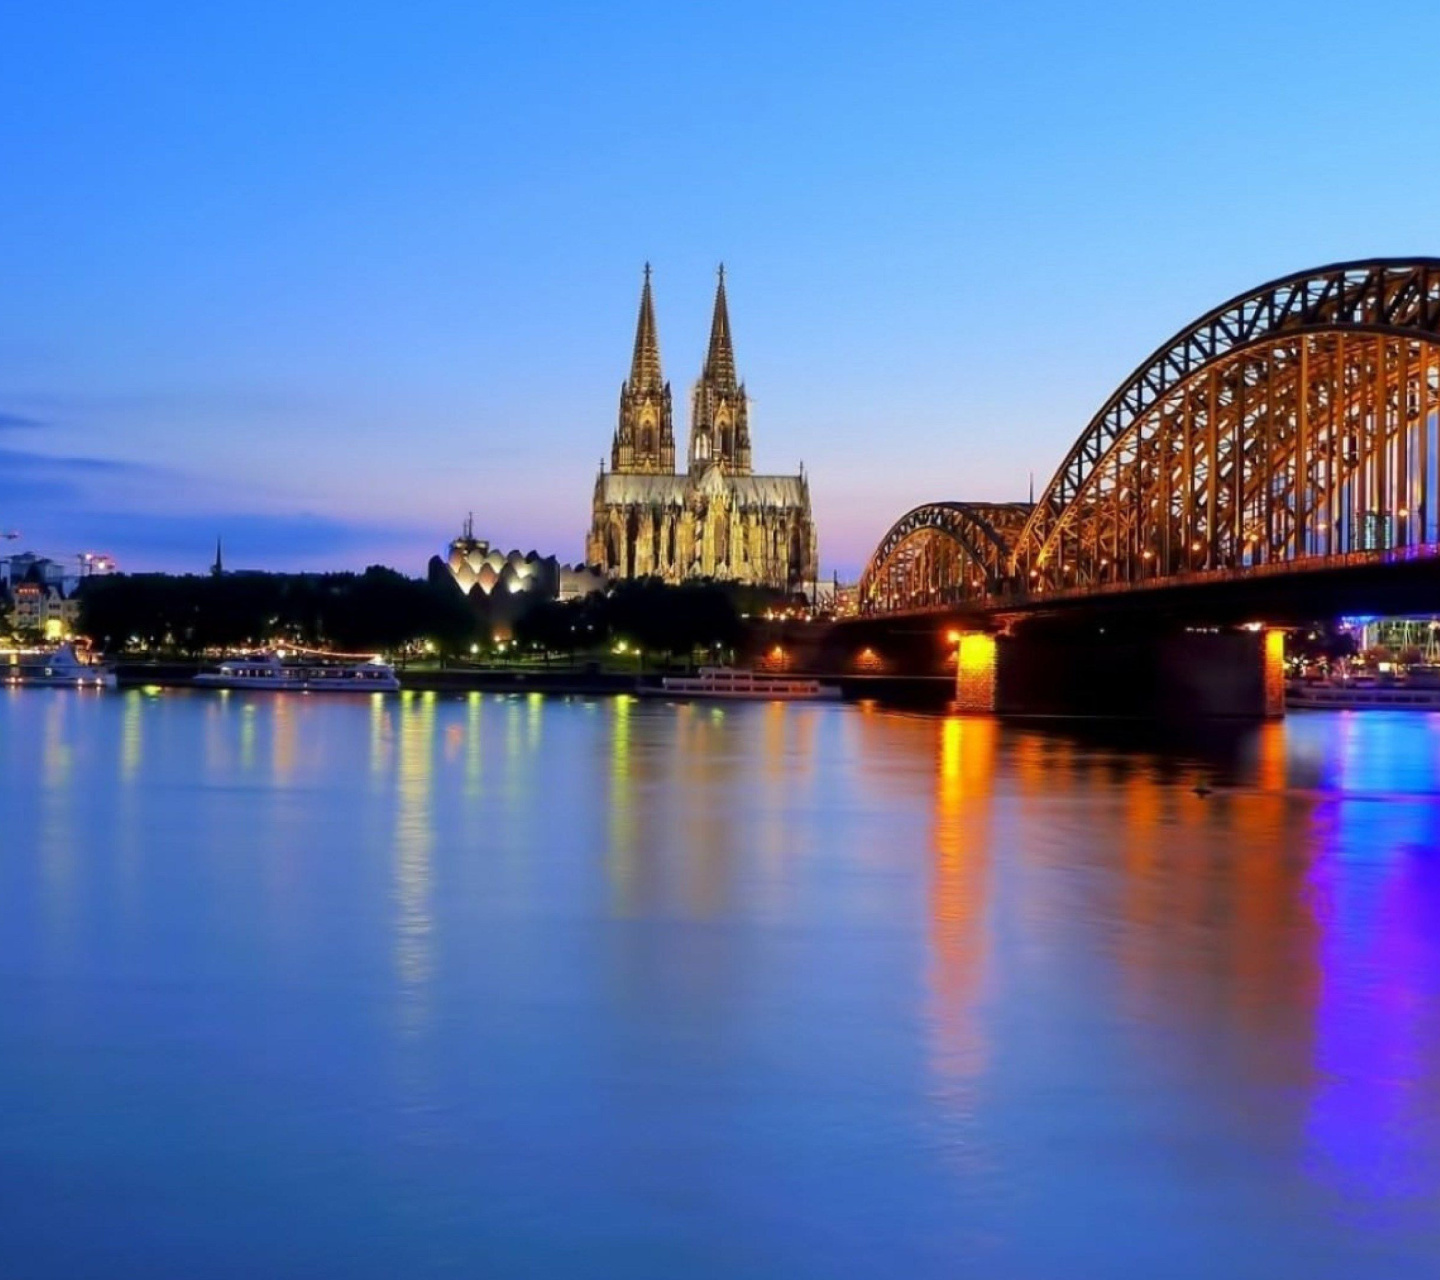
1295 426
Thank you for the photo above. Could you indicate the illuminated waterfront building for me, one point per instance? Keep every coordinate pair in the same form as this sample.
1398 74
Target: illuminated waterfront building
717 519
43 608
477 567
501 586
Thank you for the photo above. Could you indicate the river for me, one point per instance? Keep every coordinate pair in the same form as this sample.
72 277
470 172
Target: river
489 985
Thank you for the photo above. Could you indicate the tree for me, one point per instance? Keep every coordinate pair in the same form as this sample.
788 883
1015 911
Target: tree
377 610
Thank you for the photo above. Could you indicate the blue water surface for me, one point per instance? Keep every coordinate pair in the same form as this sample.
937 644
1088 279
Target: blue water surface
504 986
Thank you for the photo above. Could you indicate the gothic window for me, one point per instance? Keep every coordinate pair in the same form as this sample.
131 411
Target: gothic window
647 441
632 535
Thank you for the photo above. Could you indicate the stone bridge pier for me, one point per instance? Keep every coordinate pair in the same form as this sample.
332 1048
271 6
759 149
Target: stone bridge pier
1236 674
1093 670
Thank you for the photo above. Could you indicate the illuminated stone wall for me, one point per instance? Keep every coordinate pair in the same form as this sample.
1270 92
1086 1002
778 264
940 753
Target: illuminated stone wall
1274 659
975 674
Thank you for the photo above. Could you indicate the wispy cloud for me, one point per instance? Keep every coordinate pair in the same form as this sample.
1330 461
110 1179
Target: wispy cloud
20 422
47 495
31 480
160 517
254 539
25 462
77 408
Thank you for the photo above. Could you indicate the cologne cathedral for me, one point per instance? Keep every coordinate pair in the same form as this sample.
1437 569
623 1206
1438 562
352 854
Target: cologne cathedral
716 519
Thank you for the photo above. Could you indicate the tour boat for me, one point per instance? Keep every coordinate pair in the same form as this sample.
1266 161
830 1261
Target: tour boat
58 669
727 682
312 676
1362 694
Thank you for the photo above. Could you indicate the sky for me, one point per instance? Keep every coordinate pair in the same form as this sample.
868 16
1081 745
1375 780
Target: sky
322 278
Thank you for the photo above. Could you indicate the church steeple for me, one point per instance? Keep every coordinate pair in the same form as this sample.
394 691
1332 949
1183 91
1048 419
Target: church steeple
719 416
720 355
645 435
645 364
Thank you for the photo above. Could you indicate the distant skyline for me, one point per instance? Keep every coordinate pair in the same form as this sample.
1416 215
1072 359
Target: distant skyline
321 282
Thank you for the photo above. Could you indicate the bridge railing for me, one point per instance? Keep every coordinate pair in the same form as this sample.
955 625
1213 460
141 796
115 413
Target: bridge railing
1044 597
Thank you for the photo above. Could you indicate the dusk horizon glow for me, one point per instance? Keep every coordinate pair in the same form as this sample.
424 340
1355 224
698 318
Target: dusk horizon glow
320 284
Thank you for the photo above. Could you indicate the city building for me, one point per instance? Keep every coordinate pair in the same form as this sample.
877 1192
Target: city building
717 519
27 565
502 585
42 608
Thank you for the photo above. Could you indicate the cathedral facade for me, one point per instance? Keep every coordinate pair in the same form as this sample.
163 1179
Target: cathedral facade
715 519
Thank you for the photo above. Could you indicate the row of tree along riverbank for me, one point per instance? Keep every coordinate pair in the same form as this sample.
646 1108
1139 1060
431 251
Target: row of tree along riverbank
638 624
162 629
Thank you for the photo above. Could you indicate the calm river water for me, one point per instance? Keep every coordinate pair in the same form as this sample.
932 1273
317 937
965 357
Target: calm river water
487 986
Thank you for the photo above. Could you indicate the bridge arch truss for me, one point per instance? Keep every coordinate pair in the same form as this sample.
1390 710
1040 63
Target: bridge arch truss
1298 421
942 553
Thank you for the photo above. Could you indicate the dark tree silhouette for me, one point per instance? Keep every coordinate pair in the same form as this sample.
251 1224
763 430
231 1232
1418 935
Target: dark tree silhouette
377 610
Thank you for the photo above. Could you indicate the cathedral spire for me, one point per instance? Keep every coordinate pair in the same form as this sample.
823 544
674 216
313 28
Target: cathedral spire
645 435
719 416
645 366
720 357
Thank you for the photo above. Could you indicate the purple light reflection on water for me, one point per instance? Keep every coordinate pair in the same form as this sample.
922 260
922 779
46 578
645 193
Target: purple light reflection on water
503 985
1375 880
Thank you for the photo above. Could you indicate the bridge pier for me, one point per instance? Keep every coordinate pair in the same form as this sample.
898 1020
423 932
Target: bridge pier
1235 674
975 672
1112 668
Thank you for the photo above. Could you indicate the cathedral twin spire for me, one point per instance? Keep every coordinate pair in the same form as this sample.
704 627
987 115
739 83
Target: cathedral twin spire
645 435
645 365
720 354
719 419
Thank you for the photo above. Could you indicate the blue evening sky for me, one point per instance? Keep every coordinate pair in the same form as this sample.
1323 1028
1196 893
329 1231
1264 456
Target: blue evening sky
323 277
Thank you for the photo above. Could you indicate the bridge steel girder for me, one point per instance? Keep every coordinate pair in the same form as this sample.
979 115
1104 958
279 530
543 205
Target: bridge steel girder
942 553
1296 421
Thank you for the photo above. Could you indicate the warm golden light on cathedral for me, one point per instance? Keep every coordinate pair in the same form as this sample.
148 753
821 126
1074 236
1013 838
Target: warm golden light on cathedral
717 519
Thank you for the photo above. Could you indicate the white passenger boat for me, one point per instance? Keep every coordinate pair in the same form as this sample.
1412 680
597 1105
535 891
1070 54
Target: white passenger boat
58 669
1361 695
311 676
728 682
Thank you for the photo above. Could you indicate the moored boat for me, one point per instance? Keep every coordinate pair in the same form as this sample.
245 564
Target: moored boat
268 671
59 668
730 682
1361 695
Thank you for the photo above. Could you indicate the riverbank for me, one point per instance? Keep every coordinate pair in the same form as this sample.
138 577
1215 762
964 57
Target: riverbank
920 691
567 680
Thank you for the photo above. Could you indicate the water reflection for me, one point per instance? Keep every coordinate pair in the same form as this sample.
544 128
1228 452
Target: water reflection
1001 980
248 716
284 712
132 736
381 731
57 845
414 842
474 751
621 854
1375 885
959 924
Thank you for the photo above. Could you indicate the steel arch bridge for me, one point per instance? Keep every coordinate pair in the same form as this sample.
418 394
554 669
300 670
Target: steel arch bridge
944 553
1293 427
